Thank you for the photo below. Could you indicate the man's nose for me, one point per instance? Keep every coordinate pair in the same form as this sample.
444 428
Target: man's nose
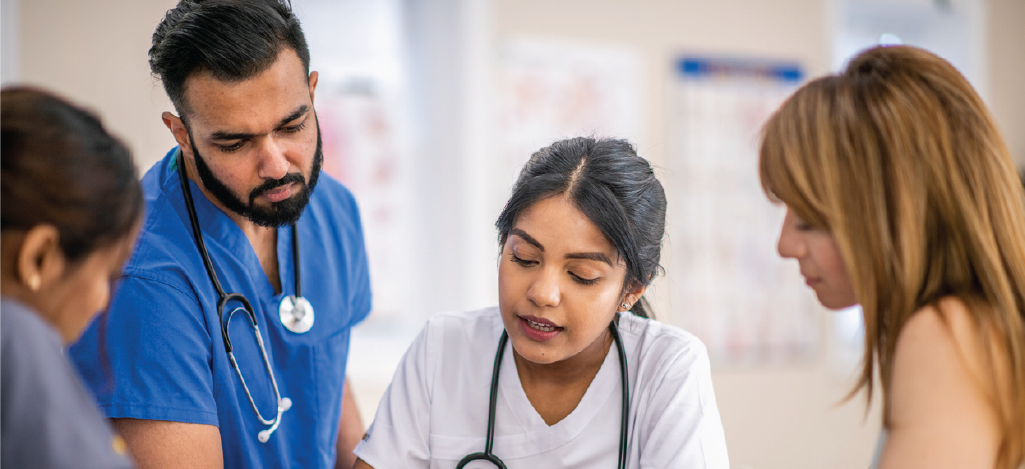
273 161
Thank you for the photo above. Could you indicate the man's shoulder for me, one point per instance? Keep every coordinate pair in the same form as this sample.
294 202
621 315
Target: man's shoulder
332 194
156 177
332 204
165 243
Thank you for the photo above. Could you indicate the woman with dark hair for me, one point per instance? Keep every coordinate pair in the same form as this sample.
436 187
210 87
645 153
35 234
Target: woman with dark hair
71 204
589 378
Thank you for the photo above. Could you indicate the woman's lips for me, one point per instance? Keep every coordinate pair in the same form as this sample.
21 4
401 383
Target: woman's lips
539 329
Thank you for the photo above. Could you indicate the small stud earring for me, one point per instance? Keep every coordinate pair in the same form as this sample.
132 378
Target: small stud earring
625 306
34 282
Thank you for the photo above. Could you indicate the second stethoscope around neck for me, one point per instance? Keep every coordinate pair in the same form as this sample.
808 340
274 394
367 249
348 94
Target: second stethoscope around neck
489 443
295 312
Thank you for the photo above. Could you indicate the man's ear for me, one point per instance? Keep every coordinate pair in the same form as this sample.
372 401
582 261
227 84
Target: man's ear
40 259
178 130
313 83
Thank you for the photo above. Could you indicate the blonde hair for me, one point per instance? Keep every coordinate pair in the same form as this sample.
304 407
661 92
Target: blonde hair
899 159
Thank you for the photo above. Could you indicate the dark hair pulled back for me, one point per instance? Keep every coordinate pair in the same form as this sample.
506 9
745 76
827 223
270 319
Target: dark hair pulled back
59 166
232 39
612 186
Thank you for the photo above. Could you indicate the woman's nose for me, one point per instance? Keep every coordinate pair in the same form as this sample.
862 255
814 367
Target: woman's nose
544 291
791 243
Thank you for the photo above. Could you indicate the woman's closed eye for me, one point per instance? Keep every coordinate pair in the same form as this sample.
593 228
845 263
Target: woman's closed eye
521 261
584 280
801 225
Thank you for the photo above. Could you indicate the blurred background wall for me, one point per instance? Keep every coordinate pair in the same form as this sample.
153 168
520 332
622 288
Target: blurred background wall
429 107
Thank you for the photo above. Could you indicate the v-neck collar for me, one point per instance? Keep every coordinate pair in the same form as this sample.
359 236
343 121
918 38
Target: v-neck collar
219 229
539 437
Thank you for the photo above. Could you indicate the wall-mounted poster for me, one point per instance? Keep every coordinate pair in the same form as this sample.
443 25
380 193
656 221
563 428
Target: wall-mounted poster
727 284
551 89
360 104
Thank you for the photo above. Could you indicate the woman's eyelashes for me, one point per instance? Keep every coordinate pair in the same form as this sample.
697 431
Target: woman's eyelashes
801 225
576 278
523 262
584 281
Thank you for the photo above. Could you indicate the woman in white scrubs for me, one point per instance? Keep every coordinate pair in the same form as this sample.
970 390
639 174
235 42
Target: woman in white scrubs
581 239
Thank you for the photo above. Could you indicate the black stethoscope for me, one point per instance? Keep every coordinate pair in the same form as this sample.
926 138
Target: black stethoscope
295 312
487 455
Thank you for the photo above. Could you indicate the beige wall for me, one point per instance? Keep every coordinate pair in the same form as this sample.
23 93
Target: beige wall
94 52
784 417
1007 72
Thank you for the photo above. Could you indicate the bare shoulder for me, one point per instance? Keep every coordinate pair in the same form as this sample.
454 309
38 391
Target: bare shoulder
947 320
942 412
945 338
166 444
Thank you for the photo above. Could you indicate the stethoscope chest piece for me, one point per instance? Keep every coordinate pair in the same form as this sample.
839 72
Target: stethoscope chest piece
296 314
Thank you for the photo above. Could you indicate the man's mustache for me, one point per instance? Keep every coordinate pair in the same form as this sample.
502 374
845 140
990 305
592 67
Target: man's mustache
274 184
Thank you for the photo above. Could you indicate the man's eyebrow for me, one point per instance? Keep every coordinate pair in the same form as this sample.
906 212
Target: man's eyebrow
295 115
226 135
526 237
594 256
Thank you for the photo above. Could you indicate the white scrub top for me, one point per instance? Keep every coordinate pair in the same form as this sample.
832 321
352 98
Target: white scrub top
435 411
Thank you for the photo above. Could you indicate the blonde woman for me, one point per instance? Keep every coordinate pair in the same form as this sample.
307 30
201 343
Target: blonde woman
901 197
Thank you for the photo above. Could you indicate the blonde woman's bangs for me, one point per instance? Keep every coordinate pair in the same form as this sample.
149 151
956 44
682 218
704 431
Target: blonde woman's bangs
788 165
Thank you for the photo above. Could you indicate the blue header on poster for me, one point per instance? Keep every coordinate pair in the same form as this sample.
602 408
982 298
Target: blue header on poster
787 72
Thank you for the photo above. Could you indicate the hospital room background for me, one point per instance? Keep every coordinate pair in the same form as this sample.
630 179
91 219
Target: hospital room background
429 107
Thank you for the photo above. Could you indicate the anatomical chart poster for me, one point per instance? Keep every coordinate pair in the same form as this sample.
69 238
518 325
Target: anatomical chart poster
728 286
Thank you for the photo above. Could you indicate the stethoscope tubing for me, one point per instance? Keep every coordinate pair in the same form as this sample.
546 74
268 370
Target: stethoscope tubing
625 411
222 302
489 443
493 403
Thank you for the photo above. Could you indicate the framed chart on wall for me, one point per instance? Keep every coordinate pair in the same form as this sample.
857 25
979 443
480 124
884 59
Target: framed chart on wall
551 89
727 284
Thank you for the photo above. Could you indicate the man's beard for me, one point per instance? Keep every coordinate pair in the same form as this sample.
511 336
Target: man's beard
280 213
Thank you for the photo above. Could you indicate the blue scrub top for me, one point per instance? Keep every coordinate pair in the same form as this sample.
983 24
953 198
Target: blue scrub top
158 352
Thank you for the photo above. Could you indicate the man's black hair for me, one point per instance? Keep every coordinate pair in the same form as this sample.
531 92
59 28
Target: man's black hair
232 39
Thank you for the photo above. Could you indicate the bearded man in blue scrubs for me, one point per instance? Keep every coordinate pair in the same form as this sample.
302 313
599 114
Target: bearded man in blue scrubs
237 72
